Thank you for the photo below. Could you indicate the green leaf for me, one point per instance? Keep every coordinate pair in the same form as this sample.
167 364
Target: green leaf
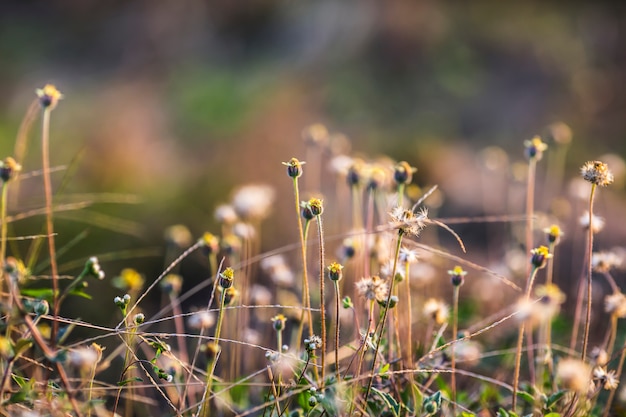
40 293
128 381
79 292
389 400
552 399
552 415
22 345
383 369
526 397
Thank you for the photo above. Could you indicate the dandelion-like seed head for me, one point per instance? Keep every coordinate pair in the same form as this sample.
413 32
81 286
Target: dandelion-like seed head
605 261
597 172
49 96
573 374
408 222
278 322
535 148
403 173
436 310
539 256
553 234
294 167
85 358
226 214
372 288
335 271
599 356
608 379
201 320
615 304
312 343
9 168
597 222
408 255
457 275
253 202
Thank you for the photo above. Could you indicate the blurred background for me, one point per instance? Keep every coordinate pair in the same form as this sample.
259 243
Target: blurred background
175 103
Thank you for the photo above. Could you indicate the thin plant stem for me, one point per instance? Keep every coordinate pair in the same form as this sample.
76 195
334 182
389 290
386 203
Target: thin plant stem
520 340
320 233
455 330
385 312
589 270
618 374
213 362
45 153
530 201
337 301
409 341
3 223
305 278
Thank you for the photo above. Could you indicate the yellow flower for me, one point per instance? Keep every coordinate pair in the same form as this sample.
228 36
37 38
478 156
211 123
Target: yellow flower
49 96
535 148
129 279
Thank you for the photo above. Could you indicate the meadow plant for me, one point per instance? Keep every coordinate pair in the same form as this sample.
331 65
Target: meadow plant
397 341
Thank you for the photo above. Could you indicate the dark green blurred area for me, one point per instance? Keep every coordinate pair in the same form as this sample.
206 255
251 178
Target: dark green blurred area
177 102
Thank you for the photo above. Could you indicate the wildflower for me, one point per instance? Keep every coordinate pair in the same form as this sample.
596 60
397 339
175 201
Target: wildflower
6 348
315 134
278 322
457 275
317 206
226 214
93 268
574 375
9 169
540 257
355 173
436 310
551 298
231 244
129 279
211 350
407 255
408 222
210 243
227 277
15 268
178 235
139 318
348 248
372 288
608 379
376 178
535 148
403 173
49 96
597 172
605 261
294 167
553 234
306 211
201 320
312 343
253 202
171 284
122 302
335 271
597 222
615 304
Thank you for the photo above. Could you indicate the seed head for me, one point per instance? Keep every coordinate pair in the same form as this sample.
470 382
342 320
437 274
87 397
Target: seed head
605 261
615 304
535 148
226 214
294 167
540 256
49 96
372 288
201 320
407 255
597 172
597 222
253 202
407 221
608 379
574 375
436 310
403 173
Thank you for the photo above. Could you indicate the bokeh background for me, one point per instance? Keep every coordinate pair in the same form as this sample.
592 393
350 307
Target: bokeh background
178 102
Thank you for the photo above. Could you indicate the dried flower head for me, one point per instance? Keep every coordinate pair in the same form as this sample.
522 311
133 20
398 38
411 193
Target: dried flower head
436 310
599 356
608 379
403 173
407 255
372 288
615 304
201 320
597 172
574 375
605 261
294 167
253 202
9 168
49 96
315 134
535 148
85 358
553 234
539 256
597 222
408 222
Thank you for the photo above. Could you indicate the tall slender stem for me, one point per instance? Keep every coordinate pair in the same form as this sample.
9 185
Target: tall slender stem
455 330
337 296
305 278
320 233
589 268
